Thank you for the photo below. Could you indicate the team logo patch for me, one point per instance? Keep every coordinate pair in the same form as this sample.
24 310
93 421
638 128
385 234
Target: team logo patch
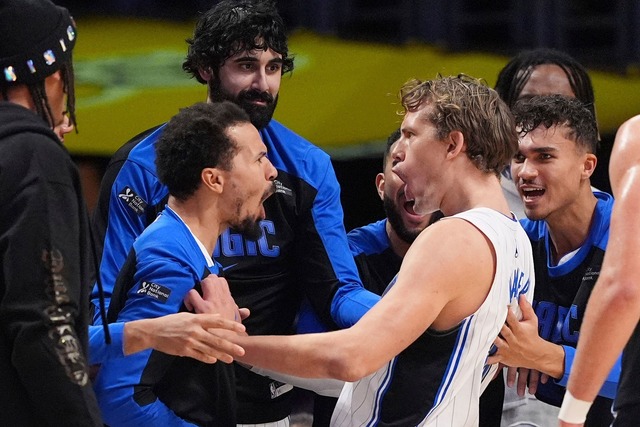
155 291
280 188
132 200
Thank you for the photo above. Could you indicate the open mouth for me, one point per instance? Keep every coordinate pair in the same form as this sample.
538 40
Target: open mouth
532 194
408 206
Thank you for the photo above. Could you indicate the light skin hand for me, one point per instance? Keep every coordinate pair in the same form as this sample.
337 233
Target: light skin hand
216 299
525 378
519 345
199 336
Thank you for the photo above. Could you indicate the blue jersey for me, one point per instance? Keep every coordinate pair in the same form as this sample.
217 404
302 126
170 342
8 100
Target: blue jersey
377 265
303 250
561 296
151 388
376 261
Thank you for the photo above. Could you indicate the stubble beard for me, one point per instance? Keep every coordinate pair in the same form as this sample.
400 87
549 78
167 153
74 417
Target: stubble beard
396 222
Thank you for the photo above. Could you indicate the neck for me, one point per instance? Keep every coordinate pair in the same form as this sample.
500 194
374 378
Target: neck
201 218
399 246
477 189
569 227
21 95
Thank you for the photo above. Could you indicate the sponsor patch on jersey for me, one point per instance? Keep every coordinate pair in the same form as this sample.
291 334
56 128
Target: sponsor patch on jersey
280 188
590 275
135 202
155 291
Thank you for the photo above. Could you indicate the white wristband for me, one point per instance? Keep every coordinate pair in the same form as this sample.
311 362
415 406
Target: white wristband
573 410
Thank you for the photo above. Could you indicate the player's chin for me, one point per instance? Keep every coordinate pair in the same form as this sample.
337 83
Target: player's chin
262 214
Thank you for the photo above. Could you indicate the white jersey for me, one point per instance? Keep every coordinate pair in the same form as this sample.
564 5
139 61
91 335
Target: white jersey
438 379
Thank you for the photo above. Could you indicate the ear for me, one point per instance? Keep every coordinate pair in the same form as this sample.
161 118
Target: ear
213 178
455 144
589 165
380 185
206 73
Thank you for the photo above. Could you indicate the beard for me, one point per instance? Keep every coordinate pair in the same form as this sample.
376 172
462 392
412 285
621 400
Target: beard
250 228
260 115
395 220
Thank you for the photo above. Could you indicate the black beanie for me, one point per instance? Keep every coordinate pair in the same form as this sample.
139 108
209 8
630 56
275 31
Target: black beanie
36 39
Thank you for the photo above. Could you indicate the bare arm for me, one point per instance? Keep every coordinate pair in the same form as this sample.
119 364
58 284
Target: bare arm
429 292
184 334
603 335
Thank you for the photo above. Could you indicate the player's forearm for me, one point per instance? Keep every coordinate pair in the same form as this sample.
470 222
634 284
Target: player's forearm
549 360
137 336
309 356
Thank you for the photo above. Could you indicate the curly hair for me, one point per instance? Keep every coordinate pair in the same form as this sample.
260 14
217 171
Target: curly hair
514 76
233 26
194 139
466 104
558 110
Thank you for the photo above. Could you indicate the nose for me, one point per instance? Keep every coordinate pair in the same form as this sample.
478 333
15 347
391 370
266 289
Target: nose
260 81
525 170
271 172
398 154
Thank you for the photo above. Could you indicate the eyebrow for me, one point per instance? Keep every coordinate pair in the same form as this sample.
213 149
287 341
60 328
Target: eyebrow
545 149
248 58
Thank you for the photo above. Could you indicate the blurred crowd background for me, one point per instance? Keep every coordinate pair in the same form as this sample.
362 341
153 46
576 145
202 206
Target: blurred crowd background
351 57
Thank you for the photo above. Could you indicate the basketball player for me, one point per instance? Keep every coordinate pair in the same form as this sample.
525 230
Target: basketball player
214 164
568 225
443 306
239 53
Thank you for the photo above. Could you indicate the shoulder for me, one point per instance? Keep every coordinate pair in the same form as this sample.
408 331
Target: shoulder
370 238
605 202
165 236
291 152
38 153
536 230
447 236
625 156
139 150
277 131
602 220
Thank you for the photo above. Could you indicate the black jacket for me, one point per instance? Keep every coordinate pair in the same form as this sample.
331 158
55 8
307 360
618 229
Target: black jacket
44 279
